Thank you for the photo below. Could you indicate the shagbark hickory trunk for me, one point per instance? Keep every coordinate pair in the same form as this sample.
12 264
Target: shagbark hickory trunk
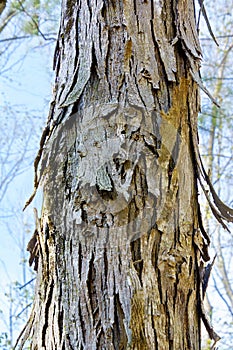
118 243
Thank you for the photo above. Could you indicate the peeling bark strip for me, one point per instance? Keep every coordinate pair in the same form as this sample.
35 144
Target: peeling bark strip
119 240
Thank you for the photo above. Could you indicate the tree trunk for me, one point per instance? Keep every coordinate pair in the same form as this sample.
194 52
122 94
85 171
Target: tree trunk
119 243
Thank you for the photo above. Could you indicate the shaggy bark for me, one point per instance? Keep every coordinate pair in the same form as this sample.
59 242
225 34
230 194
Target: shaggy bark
118 240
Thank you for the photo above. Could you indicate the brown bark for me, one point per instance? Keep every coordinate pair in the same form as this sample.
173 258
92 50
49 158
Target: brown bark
2 5
119 242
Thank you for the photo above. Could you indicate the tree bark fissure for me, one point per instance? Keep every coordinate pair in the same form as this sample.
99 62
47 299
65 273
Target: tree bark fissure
118 262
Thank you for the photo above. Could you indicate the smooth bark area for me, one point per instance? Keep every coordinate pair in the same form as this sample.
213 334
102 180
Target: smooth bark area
118 243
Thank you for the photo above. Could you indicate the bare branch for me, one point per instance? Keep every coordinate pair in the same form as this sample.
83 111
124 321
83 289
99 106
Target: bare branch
33 20
222 297
22 37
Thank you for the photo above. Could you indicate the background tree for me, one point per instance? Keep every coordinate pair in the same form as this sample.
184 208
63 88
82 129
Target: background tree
216 144
16 25
28 31
120 242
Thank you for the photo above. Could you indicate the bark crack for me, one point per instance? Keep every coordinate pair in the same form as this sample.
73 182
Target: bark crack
48 301
139 93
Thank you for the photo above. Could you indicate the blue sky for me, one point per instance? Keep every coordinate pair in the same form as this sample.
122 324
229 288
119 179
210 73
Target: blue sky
28 89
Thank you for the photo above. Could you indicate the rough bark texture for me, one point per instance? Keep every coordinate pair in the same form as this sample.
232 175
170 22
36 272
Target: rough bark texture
119 243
